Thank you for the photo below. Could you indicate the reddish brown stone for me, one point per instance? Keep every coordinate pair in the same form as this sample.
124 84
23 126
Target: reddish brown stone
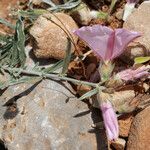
139 137
49 35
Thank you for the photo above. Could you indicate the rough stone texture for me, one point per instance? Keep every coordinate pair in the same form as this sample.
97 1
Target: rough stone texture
49 40
81 14
119 144
139 137
124 125
139 21
38 117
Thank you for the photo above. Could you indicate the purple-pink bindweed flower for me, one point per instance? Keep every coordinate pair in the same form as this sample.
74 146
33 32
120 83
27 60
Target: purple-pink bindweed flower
131 74
106 42
110 120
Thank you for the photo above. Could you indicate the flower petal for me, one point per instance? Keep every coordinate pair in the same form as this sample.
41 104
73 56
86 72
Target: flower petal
110 120
130 74
96 37
105 42
122 38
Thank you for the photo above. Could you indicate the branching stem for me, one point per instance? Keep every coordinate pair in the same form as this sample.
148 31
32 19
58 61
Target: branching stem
50 76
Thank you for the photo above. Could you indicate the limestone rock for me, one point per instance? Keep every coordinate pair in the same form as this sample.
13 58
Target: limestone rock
38 117
139 21
139 137
49 38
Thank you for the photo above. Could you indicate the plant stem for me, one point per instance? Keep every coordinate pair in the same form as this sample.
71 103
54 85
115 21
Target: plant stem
113 2
50 76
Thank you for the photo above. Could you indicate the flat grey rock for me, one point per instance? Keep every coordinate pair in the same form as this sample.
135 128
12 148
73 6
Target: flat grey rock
37 117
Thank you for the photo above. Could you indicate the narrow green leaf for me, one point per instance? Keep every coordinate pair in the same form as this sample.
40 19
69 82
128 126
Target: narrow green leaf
67 57
89 94
20 41
140 60
12 81
55 67
5 22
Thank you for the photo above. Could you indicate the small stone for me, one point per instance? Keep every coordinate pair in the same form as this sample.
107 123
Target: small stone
119 144
139 137
119 14
81 14
124 125
139 21
134 49
49 37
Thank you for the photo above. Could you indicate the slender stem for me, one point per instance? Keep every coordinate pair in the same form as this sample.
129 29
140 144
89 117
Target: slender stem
50 76
112 5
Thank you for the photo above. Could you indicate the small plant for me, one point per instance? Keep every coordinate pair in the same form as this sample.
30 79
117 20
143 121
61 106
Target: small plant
108 44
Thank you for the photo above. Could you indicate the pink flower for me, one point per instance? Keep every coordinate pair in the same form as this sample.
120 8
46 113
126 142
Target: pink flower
110 120
130 74
106 42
